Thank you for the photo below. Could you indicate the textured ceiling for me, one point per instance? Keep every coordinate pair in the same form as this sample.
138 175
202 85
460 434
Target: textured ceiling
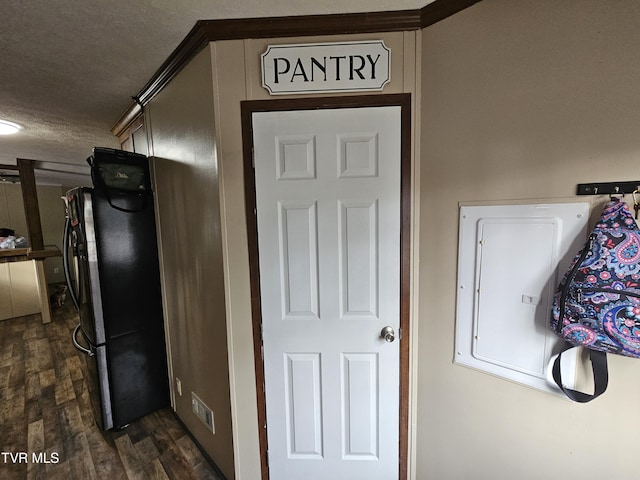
68 68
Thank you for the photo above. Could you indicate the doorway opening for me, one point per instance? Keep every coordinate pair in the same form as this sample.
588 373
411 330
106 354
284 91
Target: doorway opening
327 189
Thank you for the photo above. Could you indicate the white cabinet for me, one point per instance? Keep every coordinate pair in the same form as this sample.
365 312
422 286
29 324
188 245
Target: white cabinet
510 261
5 292
19 292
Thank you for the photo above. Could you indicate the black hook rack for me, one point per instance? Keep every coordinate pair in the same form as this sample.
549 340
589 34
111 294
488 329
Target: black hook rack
610 188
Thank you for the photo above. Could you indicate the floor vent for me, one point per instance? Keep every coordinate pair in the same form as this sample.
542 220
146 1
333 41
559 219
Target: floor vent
203 412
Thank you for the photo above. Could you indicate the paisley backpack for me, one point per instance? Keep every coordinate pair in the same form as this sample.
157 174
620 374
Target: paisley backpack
597 304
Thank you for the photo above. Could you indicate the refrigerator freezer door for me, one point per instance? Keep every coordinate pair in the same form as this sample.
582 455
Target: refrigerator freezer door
103 407
139 380
96 374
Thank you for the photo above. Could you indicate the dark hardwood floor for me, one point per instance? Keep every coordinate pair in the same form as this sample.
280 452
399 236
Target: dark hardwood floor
47 429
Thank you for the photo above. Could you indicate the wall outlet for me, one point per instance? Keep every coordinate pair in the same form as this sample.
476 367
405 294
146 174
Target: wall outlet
203 412
56 270
178 386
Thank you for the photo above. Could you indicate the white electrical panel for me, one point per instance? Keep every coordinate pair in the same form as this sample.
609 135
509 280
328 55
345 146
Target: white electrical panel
510 261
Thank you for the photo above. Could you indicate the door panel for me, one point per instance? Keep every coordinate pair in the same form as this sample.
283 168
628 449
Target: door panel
328 216
303 405
360 405
298 260
358 257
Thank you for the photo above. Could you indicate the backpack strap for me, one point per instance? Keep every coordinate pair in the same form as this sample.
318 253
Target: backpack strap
600 377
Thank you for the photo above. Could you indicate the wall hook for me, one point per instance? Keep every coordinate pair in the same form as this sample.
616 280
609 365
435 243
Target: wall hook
610 188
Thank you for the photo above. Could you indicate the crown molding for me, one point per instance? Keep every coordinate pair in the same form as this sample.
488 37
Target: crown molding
206 31
310 25
133 111
441 9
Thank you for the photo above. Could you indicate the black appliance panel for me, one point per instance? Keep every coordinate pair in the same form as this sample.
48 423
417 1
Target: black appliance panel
139 380
96 373
128 263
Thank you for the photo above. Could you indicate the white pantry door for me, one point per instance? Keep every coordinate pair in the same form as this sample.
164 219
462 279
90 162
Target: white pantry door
328 209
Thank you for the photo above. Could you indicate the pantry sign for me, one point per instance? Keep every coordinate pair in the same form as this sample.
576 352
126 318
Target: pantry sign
326 67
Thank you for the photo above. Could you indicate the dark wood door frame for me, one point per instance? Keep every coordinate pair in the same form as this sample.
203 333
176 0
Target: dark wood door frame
362 101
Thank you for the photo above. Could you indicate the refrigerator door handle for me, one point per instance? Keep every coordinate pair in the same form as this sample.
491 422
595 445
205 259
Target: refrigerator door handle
74 337
65 262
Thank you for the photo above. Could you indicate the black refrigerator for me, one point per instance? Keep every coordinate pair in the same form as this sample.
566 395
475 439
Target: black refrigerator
112 270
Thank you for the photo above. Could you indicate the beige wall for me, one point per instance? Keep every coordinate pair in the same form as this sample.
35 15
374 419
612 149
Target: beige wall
236 67
180 122
521 100
51 217
12 209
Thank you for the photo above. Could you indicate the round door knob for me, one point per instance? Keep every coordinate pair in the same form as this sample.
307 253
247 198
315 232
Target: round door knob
387 334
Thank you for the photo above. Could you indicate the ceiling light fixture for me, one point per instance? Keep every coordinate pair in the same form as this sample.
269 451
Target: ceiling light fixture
9 128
